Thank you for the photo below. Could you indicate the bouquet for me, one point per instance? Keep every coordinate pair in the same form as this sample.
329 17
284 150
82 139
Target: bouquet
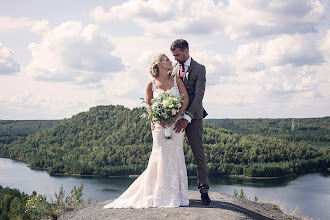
164 108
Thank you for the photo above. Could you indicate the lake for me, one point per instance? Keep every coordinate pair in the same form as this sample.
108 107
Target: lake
309 193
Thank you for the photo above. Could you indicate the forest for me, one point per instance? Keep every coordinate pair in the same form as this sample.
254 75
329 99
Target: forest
315 131
20 206
12 204
11 130
115 141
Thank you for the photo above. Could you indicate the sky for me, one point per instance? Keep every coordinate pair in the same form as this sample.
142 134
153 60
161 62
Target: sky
263 58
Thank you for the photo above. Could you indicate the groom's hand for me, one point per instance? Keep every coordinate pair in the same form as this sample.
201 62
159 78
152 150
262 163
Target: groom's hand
180 125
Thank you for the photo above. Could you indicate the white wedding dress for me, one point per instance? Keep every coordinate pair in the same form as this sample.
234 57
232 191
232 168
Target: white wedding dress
164 183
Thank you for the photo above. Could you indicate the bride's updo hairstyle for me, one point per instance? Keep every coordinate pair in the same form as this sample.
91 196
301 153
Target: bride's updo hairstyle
154 70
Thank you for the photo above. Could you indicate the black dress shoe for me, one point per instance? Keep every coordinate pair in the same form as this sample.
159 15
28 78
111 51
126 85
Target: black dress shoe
205 199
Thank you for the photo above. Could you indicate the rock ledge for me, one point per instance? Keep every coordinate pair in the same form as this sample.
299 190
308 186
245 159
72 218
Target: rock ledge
222 207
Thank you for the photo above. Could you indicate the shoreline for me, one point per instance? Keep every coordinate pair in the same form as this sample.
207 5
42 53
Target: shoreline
136 175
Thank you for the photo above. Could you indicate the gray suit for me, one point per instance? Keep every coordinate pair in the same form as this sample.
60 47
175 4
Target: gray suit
195 84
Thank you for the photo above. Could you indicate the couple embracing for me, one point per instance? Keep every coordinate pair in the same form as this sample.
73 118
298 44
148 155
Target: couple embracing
164 183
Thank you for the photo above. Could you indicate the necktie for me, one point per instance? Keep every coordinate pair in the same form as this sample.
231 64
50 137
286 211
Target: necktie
182 71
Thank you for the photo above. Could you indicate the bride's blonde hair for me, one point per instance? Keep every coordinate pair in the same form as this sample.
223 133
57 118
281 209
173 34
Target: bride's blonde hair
154 69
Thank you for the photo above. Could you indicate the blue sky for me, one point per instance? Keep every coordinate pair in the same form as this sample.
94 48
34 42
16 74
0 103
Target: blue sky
264 59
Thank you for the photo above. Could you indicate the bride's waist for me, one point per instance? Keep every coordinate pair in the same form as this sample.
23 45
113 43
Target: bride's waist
170 125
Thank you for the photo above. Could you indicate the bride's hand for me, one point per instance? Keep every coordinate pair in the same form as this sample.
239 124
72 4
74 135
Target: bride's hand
161 123
174 119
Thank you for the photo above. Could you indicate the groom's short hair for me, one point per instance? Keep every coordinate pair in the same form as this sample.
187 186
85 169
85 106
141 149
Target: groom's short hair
180 43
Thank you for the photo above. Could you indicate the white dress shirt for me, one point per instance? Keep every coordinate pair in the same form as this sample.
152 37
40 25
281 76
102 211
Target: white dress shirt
186 66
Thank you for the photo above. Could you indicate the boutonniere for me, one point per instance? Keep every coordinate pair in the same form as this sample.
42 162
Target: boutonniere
187 74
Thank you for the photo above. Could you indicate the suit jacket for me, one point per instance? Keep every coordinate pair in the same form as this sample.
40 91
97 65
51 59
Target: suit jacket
195 85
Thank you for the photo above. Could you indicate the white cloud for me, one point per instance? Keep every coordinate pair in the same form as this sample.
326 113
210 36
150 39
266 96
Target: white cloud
41 27
29 105
98 15
25 98
275 92
322 74
8 24
231 94
8 63
127 87
124 89
172 17
257 18
262 58
324 45
281 67
152 10
297 50
218 68
238 19
73 53
286 80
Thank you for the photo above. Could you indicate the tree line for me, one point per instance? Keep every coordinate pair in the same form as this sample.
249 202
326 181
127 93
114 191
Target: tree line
11 130
114 140
315 131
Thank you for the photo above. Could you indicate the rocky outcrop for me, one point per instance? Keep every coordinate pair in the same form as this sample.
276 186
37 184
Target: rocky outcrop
222 207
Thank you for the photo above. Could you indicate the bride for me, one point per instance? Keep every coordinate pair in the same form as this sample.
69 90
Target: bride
164 183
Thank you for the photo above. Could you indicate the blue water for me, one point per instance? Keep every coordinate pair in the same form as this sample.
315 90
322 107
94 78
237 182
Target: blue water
309 193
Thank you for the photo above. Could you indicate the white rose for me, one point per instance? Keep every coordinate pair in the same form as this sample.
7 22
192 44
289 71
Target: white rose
173 112
179 105
154 105
165 103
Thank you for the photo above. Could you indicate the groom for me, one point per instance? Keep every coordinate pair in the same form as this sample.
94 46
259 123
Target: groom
193 76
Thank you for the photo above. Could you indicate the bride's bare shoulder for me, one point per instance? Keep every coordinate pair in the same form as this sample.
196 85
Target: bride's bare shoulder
149 85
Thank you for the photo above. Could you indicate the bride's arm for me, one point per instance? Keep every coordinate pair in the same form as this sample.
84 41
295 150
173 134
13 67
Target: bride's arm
149 94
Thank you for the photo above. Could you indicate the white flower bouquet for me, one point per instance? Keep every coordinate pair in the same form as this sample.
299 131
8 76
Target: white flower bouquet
164 108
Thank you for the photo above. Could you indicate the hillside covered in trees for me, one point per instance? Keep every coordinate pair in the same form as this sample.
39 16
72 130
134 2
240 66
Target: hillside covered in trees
11 130
315 131
114 140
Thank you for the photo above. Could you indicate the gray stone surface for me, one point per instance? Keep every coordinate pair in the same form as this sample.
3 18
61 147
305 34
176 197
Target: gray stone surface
222 207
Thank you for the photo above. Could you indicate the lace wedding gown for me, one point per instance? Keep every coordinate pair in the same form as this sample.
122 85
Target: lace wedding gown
164 183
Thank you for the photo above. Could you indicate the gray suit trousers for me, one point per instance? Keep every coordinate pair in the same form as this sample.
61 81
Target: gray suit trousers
194 132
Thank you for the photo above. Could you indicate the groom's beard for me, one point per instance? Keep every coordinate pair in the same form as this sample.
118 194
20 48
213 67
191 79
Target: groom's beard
183 61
